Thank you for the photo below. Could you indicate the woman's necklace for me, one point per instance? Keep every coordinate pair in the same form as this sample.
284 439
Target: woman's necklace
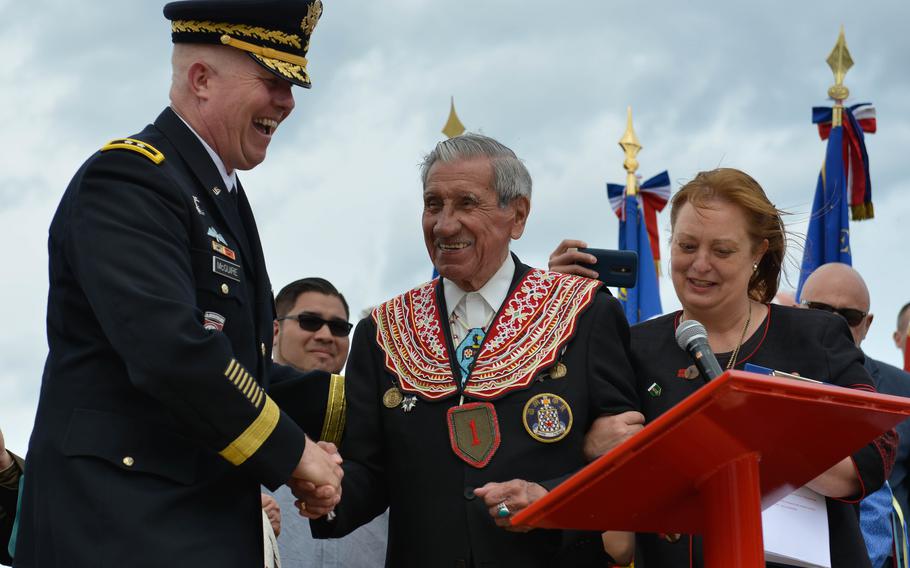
732 362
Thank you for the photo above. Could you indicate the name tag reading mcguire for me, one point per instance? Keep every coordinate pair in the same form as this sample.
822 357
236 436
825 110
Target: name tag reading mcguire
225 268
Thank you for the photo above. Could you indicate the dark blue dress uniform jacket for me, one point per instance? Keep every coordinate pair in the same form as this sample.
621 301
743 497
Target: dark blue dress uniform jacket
153 433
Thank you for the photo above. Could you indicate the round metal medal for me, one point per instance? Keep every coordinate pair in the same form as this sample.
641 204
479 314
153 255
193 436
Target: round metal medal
392 398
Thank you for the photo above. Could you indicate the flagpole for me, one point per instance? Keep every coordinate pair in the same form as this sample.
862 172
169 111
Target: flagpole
840 62
453 126
641 301
828 234
631 146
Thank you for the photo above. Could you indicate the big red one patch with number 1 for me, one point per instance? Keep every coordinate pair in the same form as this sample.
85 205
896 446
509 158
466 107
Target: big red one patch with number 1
474 432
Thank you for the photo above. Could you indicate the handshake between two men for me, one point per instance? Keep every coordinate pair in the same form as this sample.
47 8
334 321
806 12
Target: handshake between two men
316 481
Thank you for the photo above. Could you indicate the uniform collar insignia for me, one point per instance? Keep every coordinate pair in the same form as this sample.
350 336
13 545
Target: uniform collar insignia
198 207
216 235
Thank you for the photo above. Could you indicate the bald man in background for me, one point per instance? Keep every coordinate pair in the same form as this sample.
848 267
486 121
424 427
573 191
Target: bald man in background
839 288
10 469
903 329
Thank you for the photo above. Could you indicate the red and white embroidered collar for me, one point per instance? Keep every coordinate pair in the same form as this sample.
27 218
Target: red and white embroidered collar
538 317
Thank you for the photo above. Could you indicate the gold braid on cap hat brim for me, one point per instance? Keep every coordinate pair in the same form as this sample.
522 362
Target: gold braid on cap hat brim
205 26
284 68
266 52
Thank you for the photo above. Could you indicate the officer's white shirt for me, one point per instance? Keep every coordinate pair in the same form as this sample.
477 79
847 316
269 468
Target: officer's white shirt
230 179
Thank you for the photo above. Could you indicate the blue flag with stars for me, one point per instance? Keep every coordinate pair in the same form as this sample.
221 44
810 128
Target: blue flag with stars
828 237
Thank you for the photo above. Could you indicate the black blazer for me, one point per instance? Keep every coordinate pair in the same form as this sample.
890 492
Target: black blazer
891 380
815 344
153 432
403 460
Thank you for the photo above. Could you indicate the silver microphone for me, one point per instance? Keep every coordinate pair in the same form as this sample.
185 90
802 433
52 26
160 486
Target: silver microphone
692 337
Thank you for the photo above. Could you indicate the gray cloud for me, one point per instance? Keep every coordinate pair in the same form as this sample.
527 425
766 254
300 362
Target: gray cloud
711 83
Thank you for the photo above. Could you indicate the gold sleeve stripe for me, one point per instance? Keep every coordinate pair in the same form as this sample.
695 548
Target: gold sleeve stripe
258 399
245 382
335 411
249 442
138 146
248 390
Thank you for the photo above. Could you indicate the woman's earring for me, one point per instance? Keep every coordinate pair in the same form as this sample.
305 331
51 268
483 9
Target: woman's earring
754 266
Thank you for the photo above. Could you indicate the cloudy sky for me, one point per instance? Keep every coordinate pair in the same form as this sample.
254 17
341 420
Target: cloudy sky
712 83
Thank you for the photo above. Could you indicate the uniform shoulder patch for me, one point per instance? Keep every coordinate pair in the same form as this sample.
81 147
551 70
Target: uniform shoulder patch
137 146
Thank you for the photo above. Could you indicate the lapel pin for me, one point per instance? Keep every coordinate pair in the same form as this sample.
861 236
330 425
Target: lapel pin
198 207
216 235
654 390
559 371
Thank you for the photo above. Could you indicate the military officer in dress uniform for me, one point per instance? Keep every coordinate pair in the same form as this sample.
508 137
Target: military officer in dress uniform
154 429
469 396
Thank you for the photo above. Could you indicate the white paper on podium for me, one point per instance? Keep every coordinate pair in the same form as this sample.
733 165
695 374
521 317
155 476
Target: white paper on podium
795 530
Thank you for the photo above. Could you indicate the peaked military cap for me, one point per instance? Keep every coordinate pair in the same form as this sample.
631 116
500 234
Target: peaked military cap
275 33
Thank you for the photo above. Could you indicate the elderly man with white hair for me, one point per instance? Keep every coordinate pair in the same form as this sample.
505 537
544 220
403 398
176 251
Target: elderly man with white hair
469 396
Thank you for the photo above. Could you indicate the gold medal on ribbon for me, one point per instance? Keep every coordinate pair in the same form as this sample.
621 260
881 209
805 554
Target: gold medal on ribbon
558 371
392 398
474 432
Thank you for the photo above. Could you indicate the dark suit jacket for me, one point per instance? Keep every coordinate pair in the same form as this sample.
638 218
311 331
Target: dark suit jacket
153 432
403 460
891 380
815 344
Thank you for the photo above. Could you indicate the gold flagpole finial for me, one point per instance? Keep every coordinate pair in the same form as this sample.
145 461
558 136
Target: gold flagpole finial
840 62
453 126
631 146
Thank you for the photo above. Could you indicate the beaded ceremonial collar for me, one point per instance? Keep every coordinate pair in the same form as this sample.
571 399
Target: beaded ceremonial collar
537 318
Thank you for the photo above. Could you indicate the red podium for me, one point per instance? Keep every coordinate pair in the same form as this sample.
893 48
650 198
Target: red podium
712 463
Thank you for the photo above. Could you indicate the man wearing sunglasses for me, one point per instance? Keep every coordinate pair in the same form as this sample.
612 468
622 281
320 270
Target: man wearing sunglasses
839 288
312 335
312 328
